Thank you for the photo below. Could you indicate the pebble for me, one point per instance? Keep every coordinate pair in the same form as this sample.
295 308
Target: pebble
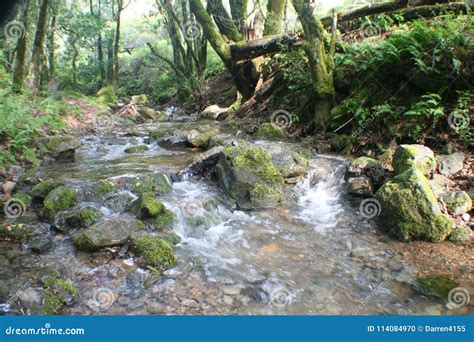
466 217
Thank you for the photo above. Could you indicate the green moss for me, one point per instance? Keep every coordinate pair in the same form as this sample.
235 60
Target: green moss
435 286
410 210
83 217
460 235
148 207
141 99
414 157
457 202
58 293
155 251
16 232
259 161
271 132
107 96
263 196
23 198
103 187
157 184
163 219
42 189
136 149
59 199
83 241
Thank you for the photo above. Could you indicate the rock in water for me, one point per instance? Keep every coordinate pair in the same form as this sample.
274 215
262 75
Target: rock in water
109 233
410 210
63 146
153 250
61 198
414 156
248 177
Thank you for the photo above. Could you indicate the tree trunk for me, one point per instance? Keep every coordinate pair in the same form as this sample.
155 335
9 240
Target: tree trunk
110 58
238 10
275 14
52 47
117 42
19 72
75 54
244 73
223 21
38 46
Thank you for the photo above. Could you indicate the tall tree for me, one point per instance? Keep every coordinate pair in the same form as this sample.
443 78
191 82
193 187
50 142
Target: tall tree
275 15
38 46
19 70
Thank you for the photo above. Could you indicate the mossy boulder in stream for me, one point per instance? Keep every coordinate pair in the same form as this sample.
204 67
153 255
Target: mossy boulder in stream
248 177
414 157
59 199
58 293
42 189
16 232
437 286
148 208
63 146
410 210
113 232
270 131
81 216
199 139
289 162
157 183
154 251
137 149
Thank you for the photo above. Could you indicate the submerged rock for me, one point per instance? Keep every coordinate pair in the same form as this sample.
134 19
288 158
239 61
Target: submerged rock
63 146
154 251
414 156
457 202
437 286
410 210
112 232
248 177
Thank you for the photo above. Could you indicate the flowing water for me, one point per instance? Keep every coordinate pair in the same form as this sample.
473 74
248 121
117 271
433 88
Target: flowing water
315 255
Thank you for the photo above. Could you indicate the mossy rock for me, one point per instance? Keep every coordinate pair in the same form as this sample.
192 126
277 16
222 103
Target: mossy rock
410 210
107 96
270 131
23 198
148 113
63 146
80 217
460 235
137 149
141 100
16 232
158 184
58 292
414 157
154 251
112 232
199 139
457 202
369 168
437 286
161 133
248 177
101 188
42 189
59 199
147 207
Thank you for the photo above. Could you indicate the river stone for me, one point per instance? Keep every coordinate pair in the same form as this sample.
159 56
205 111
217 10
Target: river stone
32 300
59 199
136 149
80 216
153 251
156 183
437 286
199 139
212 112
120 201
290 163
457 202
451 164
360 186
414 156
148 208
109 233
248 177
63 146
410 210
42 189
271 132
368 167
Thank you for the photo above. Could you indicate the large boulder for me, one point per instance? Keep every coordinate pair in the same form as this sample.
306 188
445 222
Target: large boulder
80 216
289 162
148 208
63 146
199 139
213 112
414 156
410 210
248 177
59 199
457 202
153 251
112 232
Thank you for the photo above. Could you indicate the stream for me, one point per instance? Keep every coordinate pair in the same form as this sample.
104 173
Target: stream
317 255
